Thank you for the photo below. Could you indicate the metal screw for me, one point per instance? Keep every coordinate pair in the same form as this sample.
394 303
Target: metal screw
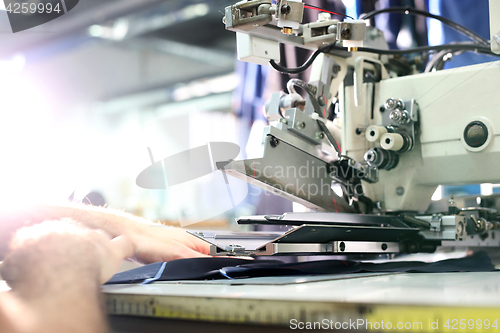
391 104
400 190
401 117
396 115
274 142
283 121
320 135
345 33
286 9
301 125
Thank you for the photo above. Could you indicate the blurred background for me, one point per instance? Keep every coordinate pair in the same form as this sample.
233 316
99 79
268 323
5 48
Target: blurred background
84 96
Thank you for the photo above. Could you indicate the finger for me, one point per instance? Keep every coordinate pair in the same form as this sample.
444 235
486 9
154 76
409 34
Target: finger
122 247
199 245
189 253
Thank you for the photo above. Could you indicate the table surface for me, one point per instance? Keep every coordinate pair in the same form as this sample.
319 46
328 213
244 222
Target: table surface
443 289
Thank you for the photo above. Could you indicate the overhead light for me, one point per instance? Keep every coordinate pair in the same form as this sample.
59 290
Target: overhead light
13 65
118 31
193 11
204 87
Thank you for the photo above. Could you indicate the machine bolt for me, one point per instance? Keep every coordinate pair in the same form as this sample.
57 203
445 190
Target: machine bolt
286 9
395 115
274 142
345 33
392 104
320 135
283 121
301 125
399 116
400 191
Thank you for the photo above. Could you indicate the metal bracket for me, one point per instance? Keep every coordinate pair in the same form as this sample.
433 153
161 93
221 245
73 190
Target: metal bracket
450 228
244 15
337 247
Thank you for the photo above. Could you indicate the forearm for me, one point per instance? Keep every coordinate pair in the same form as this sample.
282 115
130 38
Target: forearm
57 279
151 244
76 310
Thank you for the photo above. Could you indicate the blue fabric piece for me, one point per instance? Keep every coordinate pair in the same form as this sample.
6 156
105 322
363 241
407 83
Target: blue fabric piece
137 275
157 275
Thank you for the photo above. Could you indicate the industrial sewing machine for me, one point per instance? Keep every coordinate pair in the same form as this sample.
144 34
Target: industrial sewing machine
369 176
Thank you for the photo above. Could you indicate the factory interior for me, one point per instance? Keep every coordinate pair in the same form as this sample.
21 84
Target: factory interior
191 114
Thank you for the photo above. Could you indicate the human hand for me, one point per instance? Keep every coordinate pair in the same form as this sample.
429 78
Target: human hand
154 243
63 251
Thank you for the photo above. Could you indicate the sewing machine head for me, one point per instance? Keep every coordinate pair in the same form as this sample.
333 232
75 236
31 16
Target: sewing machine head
397 135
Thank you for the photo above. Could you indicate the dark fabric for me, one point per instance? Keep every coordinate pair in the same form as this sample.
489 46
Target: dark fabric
223 268
473 14
136 275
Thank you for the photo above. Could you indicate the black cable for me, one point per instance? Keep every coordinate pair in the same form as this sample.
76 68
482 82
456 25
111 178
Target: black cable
306 64
465 46
421 49
296 70
409 10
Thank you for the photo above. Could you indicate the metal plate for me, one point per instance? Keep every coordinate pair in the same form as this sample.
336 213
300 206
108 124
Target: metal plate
324 219
328 233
